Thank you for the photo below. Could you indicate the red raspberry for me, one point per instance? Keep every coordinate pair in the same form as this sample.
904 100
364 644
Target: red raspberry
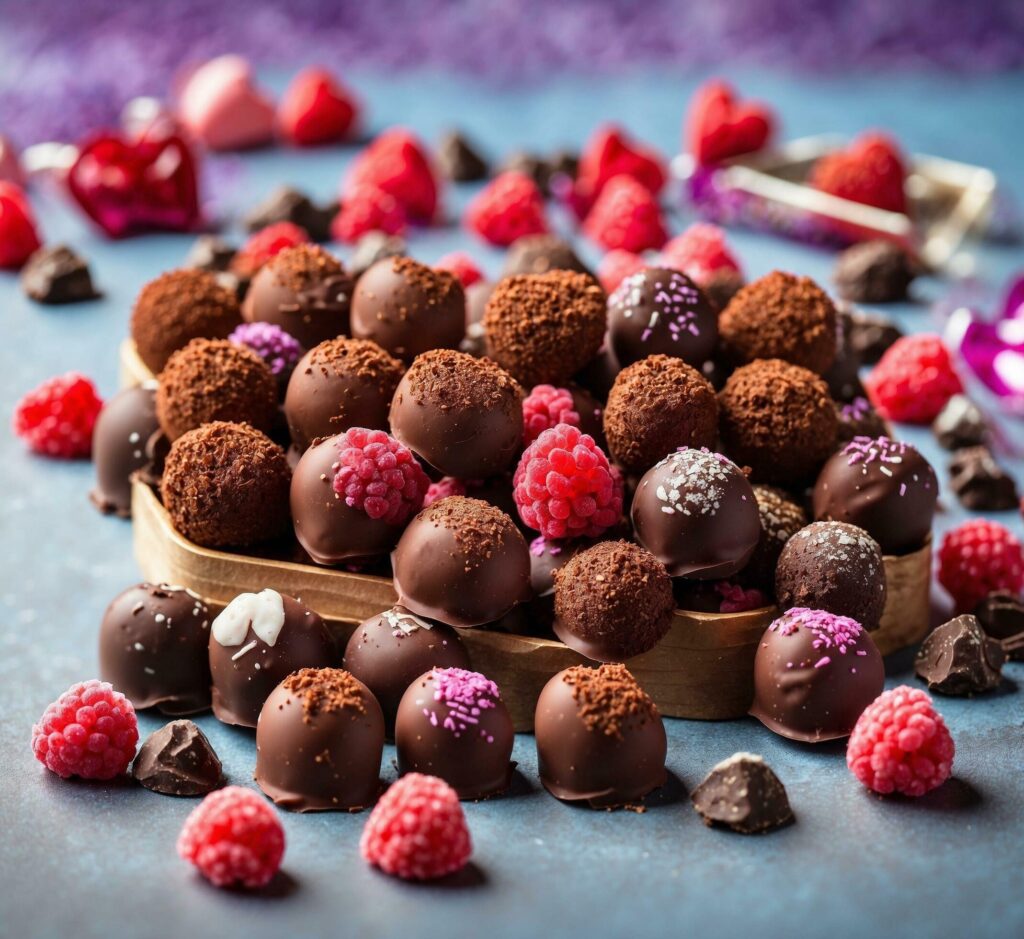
869 171
397 163
234 837
609 153
913 380
56 419
546 406
447 486
626 215
901 744
462 266
616 266
737 599
266 243
316 109
978 558
699 253
18 235
89 731
366 209
376 474
418 830
565 487
510 207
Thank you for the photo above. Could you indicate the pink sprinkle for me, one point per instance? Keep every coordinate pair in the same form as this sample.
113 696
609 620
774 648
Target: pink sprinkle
822 662
465 695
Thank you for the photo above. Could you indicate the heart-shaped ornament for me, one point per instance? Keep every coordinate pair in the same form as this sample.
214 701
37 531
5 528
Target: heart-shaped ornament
610 153
316 109
222 107
870 170
719 126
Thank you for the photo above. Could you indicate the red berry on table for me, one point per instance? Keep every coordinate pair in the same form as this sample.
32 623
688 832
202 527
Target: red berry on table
545 407
627 216
870 171
57 418
265 244
462 266
397 163
913 380
367 209
316 109
699 253
718 126
509 207
610 153
616 266
978 558
18 235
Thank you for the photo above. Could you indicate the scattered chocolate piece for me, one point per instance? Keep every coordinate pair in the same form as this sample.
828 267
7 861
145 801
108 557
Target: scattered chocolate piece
373 247
210 253
843 376
960 424
958 658
877 271
178 760
459 160
744 794
532 165
287 204
1001 615
859 419
564 163
980 483
870 334
55 274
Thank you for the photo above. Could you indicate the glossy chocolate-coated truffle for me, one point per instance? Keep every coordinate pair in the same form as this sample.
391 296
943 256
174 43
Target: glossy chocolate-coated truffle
257 641
883 486
319 742
178 760
463 416
461 562
453 724
613 601
599 736
697 514
659 311
843 375
814 674
389 651
958 658
152 648
744 794
119 446
409 308
339 384
538 254
306 291
781 518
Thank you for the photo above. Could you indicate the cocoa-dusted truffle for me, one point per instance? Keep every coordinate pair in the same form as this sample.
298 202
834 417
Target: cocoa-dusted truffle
339 384
215 380
543 328
600 739
120 446
462 562
778 419
744 794
696 513
878 271
781 316
781 518
306 291
464 416
177 307
958 658
658 405
409 308
613 601
538 254
178 760
834 567
858 419
226 485
319 742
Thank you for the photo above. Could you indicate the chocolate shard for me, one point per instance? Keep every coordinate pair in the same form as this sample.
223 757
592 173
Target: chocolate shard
178 760
459 160
960 424
958 658
980 483
532 165
870 334
744 794
287 204
210 253
878 271
1001 615
55 274
375 246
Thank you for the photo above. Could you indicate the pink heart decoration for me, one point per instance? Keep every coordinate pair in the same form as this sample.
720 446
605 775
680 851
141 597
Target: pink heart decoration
221 106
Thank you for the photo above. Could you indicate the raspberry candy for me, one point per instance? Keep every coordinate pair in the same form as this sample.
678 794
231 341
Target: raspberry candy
397 164
627 216
443 488
366 209
508 208
462 266
265 244
913 380
379 476
18 235
616 266
316 109
979 558
609 153
57 418
870 171
545 407
699 253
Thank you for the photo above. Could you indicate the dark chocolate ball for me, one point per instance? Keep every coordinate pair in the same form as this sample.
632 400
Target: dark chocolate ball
548 556
781 518
153 642
319 742
119 446
859 419
453 724
599 736
538 254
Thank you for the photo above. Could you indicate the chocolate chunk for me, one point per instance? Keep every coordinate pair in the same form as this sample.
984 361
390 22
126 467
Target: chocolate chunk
375 246
744 794
286 204
859 419
178 760
1001 615
958 658
870 334
960 424
56 274
843 374
459 159
532 165
210 253
980 483
564 163
874 272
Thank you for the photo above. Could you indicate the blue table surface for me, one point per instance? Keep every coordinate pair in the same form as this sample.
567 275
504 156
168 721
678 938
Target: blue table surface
99 860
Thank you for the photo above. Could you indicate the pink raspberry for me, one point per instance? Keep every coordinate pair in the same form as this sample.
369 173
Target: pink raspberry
737 599
418 830
265 244
626 215
376 474
444 487
57 418
89 731
397 163
565 487
977 559
616 266
546 406
901 744
913 380
509 207
700 252
462 266
367 208
234 837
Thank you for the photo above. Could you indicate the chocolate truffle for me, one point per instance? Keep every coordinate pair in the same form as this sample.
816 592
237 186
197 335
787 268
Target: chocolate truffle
462 562
389 651
409 308
463 416
460 161
781 518
720 286
878 271
375 246
883 486
119 446
958 658
319 742
961 424
226 485
178 760
177 307
215 380
814 673
781 316
453 724
548 556
538 254
1001 615
600 739
658 405
659 311
152 648
870 335
543 328
54 274
779 420
286 204
858 419
339 384
980 483
843 375
306 291
613 601
744 794
697 514
257 641
834 567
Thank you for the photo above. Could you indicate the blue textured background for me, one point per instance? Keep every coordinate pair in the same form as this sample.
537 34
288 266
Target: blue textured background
99 861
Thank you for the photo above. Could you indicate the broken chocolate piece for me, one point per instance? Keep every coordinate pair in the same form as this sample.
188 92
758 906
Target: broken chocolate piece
870 334
178 760
959 659
459 160
960 424
878 271
980 483
744 794
287 204
1001 615
55 274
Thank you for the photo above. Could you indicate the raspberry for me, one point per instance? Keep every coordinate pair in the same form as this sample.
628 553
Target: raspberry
901 744
376 474
462 266
279 350
56 419
737 599
616 266
397 164
510 207
234 837
699 252
626 215
609 154
366 209
418 830
18 235
89 731
448 486
870 171
565 487
913 380
266 243
316 109
545 407
977 559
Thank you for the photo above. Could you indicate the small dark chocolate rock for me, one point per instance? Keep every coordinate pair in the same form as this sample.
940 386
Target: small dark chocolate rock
870 335
375 246
1001 615
744 794
178 760
210 253
980 483
55 274
960 424
877 271
459 160
958 658
286 204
